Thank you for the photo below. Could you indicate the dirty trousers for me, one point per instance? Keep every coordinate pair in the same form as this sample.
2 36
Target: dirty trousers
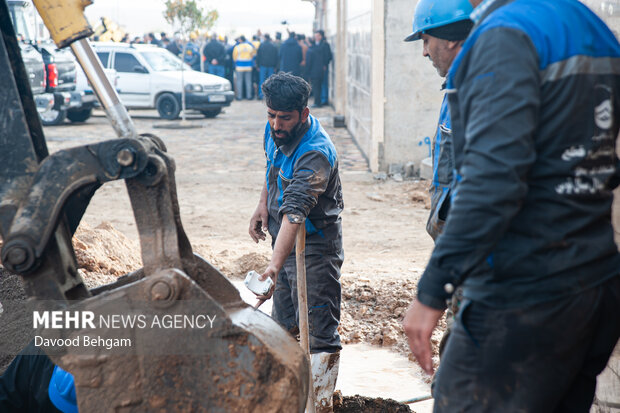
322 279
543 358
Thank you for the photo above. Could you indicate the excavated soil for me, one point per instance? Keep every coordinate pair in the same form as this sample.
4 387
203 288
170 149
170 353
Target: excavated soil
360 404
372 312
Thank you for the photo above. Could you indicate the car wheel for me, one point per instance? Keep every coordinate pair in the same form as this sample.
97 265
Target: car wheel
168 106
80 115
211 113
53 117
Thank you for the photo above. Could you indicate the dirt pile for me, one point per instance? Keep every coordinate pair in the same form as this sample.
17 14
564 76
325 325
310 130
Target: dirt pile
232 264
417 192
372 312
103 253
360 404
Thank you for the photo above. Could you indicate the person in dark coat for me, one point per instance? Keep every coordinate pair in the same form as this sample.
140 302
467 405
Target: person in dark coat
315 70
319 37
215 57
291 55
266 60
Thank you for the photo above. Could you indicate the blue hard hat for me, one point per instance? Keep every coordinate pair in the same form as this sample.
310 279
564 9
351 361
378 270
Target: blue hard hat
430 14
61 391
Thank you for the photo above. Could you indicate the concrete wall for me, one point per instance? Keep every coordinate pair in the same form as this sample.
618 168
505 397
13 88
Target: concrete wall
412 91
387 91
358 44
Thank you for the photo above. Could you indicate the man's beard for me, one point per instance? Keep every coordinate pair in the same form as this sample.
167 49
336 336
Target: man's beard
288 136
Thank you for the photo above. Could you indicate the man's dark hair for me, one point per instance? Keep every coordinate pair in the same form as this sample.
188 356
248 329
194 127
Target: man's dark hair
242 38
286 92
322 33
278 35
163 35
291 34
267 37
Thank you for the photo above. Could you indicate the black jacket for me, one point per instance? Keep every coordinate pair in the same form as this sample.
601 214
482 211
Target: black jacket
214 50
267 54
534 127
315 62
290 56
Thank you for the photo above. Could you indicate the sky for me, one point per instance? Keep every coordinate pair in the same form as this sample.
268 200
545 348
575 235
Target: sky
236 16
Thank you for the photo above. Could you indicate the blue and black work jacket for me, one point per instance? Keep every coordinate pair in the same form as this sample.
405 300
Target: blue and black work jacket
443 164
534 96
303 182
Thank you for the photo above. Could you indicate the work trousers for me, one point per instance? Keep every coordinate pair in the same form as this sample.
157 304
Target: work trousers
217 70
263 74
540 359
325 87
322 278
317 83
243 79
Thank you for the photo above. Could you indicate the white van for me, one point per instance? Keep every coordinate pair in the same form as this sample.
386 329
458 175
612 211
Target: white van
150 77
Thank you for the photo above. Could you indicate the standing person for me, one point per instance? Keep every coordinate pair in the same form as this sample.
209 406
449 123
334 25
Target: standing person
243 56
529 234
151 39
301 40
192 52
266 60
319 38
442 27
290 55
315 71
174 46
302 186
215 56
255 79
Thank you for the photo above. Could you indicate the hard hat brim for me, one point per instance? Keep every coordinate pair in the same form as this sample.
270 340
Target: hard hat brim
413 36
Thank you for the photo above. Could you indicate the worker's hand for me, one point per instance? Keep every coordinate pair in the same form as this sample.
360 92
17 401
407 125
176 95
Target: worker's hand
418 324
258 223
271 272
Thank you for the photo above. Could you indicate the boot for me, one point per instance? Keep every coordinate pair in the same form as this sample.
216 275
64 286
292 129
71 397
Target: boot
324 375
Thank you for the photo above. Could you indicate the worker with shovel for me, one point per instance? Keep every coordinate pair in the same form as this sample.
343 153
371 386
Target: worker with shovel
533 96
302 187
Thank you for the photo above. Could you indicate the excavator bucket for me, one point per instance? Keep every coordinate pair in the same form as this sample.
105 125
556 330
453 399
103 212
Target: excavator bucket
173 336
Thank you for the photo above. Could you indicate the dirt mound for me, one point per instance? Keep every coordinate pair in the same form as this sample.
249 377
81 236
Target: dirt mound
372 312
360 404
103 253
231 264
418 193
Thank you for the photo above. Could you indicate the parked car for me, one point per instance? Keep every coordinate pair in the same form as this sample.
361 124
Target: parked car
60 66
61 70
150 77
89 100
33 61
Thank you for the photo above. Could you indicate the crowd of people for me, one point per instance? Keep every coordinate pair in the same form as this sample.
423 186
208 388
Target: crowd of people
247 63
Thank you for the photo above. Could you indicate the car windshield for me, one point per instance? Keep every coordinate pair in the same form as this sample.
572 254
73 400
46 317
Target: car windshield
163 60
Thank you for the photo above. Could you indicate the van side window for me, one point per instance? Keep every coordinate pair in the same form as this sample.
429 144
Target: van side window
104 56
125 62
